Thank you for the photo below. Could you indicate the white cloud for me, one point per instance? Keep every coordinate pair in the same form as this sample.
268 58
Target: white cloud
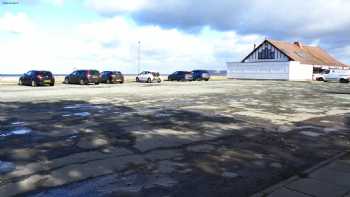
117 5
16 23
57 2
112 44
164 49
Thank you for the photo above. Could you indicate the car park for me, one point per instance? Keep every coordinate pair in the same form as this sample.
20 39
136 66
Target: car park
200 75
111 77
180 76
83 77
37 78
336 75
148 77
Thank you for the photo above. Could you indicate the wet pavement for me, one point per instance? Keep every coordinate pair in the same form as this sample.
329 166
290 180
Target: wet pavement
219 138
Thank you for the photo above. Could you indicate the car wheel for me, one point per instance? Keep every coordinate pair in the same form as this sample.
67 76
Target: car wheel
66 81
97 83
20 82
34 83
159 81
82 82
52 84
343 81
206 79
137 79
149 80
122 81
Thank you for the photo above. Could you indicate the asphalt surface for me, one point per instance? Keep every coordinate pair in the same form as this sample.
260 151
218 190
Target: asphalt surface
216 138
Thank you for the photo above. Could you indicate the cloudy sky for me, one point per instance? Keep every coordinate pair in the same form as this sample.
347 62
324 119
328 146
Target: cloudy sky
61 35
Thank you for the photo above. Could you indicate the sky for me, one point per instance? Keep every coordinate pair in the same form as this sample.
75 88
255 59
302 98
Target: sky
62 35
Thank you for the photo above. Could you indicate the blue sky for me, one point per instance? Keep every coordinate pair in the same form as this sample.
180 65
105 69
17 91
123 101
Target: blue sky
61 35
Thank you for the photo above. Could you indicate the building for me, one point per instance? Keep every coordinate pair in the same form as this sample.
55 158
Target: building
280 60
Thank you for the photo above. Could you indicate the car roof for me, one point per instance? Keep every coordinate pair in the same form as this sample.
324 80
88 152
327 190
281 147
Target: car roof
199 71
150 71
86 70
39 71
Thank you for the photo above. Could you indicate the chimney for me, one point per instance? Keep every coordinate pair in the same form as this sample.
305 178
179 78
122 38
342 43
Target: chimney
299 44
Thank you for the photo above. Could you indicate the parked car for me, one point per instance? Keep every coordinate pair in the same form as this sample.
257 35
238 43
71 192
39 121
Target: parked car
83 77
337 75
318 76
180 76
199 75
111 77
148 77
36 78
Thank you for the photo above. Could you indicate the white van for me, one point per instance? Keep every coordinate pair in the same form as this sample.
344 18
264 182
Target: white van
337 75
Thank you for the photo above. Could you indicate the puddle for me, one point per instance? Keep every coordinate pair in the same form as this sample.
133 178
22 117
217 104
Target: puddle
18 123
73 106
6 167
310 133
161 115
229 175
18 131
83 106
82 114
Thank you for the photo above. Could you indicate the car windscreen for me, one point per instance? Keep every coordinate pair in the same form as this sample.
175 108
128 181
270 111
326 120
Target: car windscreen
200 71
155 74
93 72
44 73
116 73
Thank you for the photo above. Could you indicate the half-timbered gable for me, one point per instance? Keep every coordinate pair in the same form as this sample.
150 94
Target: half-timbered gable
265 53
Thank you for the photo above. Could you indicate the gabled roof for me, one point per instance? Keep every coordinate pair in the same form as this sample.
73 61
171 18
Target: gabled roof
305 54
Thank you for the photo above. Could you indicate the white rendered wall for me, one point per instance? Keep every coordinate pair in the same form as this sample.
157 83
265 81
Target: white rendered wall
258 70
300 72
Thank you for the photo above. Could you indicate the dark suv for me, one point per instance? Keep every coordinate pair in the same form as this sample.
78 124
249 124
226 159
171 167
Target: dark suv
180 76
199 75
36 78
111 77
83 77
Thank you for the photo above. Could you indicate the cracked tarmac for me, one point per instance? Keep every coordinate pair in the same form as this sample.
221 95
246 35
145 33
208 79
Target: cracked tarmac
216 138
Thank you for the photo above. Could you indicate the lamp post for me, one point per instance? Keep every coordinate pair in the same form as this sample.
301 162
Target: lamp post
138 56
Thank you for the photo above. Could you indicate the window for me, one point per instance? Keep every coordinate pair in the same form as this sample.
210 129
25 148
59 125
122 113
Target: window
94 72
266 53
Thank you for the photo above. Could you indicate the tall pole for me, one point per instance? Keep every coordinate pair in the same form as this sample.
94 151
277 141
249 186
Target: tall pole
138 57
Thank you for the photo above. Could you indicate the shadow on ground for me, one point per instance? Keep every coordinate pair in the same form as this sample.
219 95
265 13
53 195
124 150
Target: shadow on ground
86 149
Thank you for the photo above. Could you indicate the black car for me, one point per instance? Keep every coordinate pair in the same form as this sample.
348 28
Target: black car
199 75
111 77
83 77
180 76
36 78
